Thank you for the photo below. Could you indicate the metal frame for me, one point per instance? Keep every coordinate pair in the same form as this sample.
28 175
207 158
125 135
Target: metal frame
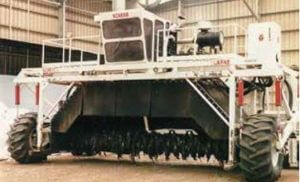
205 67
231 121
187 68
61 43
235 28
293 152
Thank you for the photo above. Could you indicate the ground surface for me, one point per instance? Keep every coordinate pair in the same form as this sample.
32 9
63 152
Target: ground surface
67 168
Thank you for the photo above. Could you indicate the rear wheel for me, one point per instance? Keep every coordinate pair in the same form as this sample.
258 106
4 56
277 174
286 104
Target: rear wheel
22 140
259 158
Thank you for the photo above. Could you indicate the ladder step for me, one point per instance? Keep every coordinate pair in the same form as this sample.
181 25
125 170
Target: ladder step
212 100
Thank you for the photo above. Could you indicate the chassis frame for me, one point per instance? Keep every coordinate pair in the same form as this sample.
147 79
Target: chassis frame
228 67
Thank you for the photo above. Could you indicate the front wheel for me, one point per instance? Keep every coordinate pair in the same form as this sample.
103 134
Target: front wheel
259 158
22 140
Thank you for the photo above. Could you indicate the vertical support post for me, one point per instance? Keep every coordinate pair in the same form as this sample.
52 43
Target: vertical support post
17 94
63 51
144 45
62 25
157 46
278 98
70 50
278 94
40 118
255 102
267 99
195 40
99 48
61 19
153 43
165 37
37 94
241 92
258 10
231 135
64 19
81 56
180 13
235 39
28 18
10 19
146 123
43 53
293 152
27 58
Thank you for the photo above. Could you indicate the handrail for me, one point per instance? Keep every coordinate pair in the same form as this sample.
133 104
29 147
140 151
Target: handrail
236 27
68 43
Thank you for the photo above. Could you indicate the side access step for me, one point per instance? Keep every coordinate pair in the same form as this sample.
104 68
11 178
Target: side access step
209 100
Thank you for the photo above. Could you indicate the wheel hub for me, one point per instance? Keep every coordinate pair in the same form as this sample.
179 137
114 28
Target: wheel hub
33 139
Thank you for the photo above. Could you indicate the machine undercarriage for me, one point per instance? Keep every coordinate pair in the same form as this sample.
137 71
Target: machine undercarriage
144 116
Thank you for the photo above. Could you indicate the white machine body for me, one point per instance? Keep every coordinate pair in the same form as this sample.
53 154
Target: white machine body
264 43
135 44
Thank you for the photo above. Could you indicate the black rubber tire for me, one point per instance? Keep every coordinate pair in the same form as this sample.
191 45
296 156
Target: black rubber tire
257 148
19 140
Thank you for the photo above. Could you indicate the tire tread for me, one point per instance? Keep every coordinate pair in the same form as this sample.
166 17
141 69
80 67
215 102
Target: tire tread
255 149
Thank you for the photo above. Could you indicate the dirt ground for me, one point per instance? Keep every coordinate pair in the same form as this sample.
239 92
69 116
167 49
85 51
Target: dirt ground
67 168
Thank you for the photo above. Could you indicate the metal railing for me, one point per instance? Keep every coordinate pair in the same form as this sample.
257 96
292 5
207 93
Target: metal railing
238 46
67 48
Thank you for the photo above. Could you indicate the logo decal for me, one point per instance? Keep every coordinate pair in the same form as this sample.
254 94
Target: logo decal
121 15
261 37
222 62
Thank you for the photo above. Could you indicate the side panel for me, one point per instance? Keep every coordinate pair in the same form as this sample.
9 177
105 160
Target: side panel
133 98
117 99
170 99
155 99
99 99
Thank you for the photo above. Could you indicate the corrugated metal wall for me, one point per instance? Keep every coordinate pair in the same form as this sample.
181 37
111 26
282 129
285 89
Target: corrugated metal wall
80 21
32 21
37 20
91 5
284 12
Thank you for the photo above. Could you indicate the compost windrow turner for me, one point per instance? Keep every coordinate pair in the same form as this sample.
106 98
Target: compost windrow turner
154 91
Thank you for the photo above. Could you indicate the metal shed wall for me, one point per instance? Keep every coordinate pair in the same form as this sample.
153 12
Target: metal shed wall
80 20
37 20
284 12
33 21
28 20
